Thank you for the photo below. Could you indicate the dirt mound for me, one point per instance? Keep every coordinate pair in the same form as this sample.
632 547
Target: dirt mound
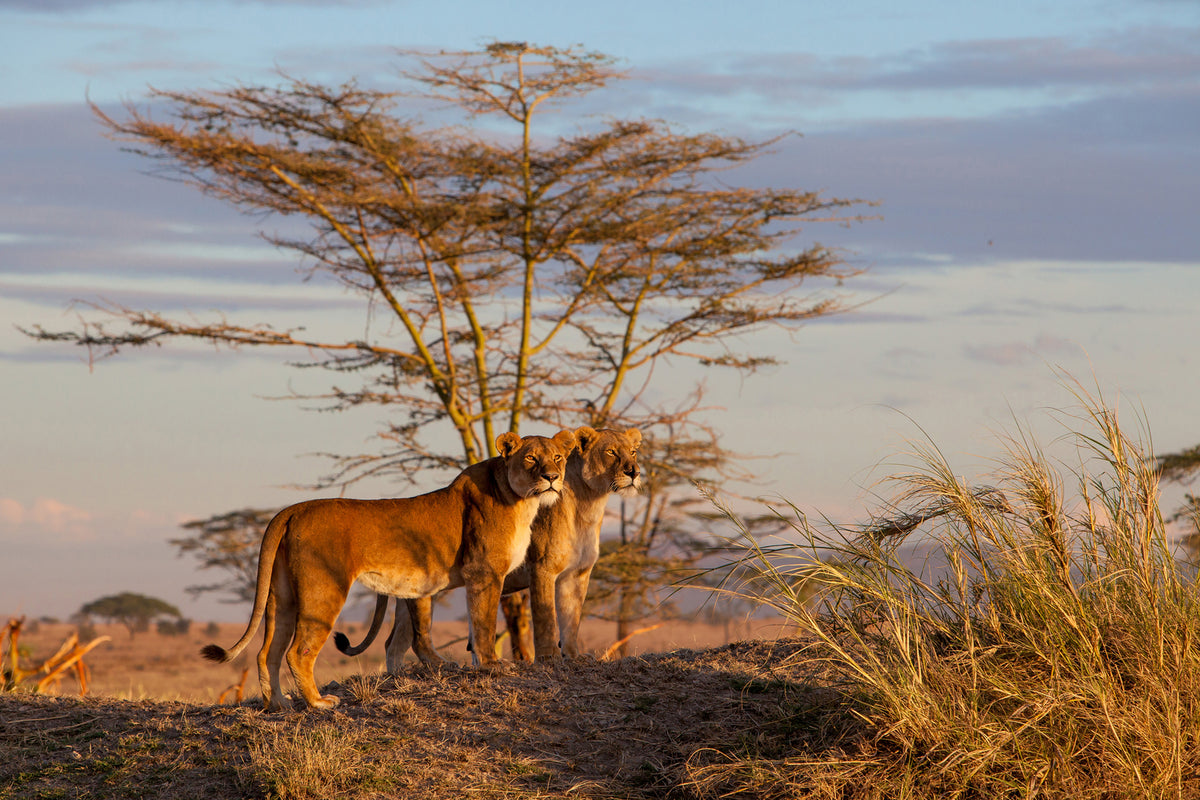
636 727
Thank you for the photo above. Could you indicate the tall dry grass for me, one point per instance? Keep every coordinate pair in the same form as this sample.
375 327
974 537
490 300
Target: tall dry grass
1049 646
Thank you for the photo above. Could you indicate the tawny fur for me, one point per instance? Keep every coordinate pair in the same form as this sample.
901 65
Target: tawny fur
470 533
564 546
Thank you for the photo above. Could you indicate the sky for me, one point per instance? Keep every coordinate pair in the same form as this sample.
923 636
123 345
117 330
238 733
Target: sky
1036 166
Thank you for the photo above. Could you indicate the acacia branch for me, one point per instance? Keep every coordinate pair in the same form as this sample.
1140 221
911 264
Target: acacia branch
149 328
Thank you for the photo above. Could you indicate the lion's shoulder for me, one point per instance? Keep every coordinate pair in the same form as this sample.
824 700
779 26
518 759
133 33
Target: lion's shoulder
483 483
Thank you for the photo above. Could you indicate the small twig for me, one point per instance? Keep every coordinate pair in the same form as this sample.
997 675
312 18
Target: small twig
615 646
238 689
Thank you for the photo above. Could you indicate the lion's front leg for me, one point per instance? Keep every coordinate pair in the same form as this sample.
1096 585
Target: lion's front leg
572 591
483 603
545 624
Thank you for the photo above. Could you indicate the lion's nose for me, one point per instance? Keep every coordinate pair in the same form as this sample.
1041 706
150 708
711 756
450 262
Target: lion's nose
632 471
550 476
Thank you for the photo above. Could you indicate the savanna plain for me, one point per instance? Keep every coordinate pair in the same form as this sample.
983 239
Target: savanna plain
1054 653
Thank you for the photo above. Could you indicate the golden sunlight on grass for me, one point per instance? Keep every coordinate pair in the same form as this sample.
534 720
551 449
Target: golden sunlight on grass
1048 646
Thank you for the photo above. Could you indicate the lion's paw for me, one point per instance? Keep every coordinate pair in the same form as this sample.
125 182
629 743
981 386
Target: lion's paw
326 701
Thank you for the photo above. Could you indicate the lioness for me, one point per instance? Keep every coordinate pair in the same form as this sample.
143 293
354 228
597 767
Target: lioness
563 549
472 532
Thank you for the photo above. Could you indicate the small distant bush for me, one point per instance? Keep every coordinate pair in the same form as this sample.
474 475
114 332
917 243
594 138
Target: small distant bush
212 629
173 627
86 630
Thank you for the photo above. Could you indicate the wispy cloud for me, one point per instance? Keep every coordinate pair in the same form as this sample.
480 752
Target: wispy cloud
1018 353
1046 71
1126 58
52 519
63 291
45 516
1100 180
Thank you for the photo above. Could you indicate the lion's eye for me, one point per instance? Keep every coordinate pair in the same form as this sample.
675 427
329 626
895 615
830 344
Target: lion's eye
612 453
558 459
530 459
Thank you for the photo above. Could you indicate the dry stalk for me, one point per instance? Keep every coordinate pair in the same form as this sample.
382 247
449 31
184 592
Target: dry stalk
69 655
619 643
238 689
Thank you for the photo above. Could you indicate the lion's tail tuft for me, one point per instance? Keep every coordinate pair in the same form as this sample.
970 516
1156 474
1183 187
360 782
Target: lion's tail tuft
214 653
341 642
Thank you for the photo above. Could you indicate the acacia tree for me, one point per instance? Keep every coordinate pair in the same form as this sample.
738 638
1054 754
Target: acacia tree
525 275
134 611
227 542
1183 467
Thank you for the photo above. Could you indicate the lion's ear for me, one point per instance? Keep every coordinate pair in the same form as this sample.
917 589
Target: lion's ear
507 443
566 440
586 436
634 436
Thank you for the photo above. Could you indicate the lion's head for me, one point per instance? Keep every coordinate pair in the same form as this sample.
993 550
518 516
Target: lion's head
535 465
610 459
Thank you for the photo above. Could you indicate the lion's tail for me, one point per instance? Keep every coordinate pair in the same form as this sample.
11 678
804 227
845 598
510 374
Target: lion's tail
343 644
266 563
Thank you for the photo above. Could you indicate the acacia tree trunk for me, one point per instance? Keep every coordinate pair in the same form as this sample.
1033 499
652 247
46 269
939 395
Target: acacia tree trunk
626 611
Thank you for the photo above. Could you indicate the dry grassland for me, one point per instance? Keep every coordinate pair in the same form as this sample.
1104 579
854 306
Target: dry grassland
643 726
1056 656
151 666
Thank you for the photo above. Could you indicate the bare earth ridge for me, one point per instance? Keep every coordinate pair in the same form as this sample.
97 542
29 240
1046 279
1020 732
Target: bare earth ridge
651 726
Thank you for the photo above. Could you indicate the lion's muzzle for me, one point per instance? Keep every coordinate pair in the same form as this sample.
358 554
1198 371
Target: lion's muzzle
548 489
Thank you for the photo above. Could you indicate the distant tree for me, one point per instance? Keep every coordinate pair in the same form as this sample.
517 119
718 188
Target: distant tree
228 543
660 545
655 546
1183 467
134 611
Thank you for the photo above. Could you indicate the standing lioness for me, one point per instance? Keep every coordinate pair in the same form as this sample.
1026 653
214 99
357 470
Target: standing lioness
473 533
563 549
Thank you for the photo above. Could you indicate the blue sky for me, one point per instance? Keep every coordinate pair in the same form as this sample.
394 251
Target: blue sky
1037 166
